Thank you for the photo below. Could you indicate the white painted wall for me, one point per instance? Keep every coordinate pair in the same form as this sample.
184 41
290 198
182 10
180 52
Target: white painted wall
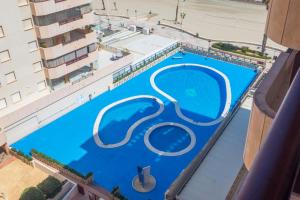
16 41
55 110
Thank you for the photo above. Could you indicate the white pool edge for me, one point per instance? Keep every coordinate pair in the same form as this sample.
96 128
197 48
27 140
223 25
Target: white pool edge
177 106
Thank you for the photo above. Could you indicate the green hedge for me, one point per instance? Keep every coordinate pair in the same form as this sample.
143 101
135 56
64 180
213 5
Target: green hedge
117 193
20 153
32 193
50 187
240 50
225 46
49 159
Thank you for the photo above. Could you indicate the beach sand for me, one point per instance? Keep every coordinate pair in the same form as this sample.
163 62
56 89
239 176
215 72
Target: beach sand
217 19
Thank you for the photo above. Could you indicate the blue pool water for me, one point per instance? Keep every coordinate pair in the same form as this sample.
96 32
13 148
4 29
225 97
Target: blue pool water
124 115
201 96
170 139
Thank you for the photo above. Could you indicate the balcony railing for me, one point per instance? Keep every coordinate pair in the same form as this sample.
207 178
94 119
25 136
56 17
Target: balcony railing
37 1
272 175
77 59
69 20
46 7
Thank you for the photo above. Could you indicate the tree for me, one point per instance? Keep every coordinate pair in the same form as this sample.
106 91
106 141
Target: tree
32 193
176 15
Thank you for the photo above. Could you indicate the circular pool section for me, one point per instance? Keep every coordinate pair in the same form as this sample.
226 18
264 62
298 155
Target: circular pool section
170 139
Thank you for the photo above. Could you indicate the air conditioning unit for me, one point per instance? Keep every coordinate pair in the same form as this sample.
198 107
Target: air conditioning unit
132 28
146 31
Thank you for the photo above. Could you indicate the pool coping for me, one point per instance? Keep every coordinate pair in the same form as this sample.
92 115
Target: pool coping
165 153
187 173
132 127
177 106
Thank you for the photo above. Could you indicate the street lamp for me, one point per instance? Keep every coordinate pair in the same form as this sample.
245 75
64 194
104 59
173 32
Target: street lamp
177 10
176 15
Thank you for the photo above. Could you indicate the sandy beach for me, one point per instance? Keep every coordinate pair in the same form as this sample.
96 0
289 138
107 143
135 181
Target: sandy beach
217 19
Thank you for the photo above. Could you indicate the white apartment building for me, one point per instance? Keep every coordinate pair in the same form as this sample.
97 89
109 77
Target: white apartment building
22 77
44 45
67 42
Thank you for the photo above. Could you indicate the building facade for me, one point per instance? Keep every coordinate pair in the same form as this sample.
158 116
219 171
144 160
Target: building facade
67 42
44 45
21 73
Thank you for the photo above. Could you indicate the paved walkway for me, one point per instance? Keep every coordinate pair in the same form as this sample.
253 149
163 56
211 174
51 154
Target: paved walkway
17 176
214 177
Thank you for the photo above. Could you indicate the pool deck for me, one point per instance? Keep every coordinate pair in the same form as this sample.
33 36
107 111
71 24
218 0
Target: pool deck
142 45
223 163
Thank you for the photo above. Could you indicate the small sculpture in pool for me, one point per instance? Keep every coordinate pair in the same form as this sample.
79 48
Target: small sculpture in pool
144 181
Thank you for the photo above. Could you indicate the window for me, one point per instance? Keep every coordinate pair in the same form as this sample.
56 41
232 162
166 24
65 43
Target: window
1 32
70 57
27 24
10 77
81 52
22 2
92 47
55 62
37 66
2 103
41 85
4 56
32 46
16 97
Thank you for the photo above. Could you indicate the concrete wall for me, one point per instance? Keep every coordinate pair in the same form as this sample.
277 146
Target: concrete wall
2 139
54 109
16 40
25 120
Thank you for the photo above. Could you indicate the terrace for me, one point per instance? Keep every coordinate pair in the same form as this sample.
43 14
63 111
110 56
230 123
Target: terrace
143 113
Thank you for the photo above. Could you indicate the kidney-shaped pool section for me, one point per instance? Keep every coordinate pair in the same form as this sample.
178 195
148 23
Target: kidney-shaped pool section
116 122
189 87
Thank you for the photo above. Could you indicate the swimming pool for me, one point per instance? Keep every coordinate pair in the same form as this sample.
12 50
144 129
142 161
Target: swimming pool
161 118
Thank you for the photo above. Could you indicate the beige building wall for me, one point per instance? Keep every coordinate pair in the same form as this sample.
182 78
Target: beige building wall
22 79
67 41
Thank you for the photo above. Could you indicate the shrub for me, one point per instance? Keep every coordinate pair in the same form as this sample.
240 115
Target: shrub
240 50
225 46
21 154
51 160
117 193
32 193
50 187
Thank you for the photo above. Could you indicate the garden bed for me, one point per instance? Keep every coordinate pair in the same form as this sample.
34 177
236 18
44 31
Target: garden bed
245 51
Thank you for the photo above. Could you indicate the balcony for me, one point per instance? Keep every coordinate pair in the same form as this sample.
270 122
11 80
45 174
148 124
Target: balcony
45 7
274 173
59 71
59 28
266 102
64 48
